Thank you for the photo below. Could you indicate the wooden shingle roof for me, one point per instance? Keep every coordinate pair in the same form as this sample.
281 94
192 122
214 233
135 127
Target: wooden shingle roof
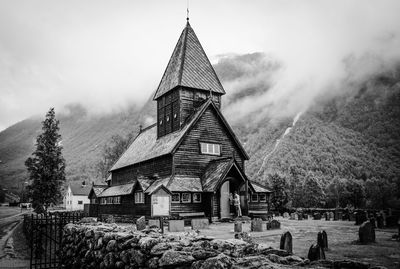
118 190
189 66
217 170
185 183
259 188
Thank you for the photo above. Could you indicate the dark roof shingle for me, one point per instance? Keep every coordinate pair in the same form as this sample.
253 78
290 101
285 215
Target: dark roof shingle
124 189
259 188
189 66
214 171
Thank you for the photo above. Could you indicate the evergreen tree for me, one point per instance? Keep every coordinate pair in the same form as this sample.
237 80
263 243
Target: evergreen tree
280 192
46 167
111 153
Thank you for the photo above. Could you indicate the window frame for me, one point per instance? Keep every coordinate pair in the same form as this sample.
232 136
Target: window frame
196 194
139 197
205 148
189 196
256 195
265 197
179 198
80 202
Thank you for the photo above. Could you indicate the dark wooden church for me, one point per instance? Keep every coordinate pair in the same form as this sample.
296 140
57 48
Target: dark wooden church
190 162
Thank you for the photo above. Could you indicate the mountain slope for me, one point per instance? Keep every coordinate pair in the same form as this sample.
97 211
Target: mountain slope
352 135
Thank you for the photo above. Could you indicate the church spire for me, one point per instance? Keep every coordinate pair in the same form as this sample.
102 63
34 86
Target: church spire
189 67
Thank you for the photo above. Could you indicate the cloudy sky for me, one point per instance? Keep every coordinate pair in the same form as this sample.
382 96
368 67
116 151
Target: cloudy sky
107 54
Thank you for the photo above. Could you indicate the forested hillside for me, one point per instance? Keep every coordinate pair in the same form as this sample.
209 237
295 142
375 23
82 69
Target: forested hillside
348 143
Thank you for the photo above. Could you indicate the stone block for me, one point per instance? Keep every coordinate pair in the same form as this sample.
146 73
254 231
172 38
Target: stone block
198 224
176 225
257 225
237 227
154 223
141 223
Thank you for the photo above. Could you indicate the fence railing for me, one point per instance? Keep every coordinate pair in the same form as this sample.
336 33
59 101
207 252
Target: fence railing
44 233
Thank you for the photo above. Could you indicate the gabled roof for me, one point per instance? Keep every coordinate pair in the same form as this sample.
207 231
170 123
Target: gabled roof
146 146
117 190
185 183
189 66
217 170
97 189
156 184
259 188
78 189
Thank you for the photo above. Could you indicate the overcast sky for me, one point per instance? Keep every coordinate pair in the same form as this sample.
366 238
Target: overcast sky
107 54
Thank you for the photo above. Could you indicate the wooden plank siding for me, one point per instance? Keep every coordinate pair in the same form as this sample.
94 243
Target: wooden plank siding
189 161
155 167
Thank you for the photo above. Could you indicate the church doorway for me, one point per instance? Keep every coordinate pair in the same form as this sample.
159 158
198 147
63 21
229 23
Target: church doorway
224 200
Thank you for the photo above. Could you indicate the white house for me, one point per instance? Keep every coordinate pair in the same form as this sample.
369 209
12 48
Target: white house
76 196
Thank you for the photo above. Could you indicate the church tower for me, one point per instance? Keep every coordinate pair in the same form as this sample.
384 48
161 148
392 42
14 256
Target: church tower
188 81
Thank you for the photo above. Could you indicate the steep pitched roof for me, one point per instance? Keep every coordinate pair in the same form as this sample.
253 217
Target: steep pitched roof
189 67
146 146
217 170
117 190
78 189
258 187
185 183
97 189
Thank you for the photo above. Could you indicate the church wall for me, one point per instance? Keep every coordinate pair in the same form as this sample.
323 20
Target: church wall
189 161
156 167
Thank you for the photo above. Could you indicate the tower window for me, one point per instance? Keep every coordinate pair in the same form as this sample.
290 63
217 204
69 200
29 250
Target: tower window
210 148
161 122
167 118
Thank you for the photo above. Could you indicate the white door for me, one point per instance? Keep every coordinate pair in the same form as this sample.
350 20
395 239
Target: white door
224 202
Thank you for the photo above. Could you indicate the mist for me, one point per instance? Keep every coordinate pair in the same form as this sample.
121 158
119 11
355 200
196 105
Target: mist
109 56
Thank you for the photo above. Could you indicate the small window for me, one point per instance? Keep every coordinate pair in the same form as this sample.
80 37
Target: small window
210 148
254 197
103 201
175 116
167 118
196 197
262 197
176 198
93 200
161 122
186 197
139 198
80 202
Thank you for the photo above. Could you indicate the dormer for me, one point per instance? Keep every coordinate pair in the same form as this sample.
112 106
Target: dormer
188 81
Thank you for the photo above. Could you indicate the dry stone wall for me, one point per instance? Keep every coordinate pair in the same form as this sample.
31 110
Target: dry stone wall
100 245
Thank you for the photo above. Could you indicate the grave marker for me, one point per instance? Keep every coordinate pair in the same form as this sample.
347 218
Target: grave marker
286 242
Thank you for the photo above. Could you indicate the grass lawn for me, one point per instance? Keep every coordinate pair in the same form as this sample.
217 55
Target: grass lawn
342 236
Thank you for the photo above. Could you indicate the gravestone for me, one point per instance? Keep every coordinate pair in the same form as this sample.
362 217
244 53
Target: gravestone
201 223
292 216
237 227
154 223
366 233
273 225
331 215
256 225
317 216
316 253
109 219
176 225
141 223
286 215
327 216
296 216
286 242
352 216
373 222
322 240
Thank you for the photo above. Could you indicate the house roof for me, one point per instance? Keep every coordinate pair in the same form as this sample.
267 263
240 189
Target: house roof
259 188
189 66
146 146
117 190
157 183
78 189
185 183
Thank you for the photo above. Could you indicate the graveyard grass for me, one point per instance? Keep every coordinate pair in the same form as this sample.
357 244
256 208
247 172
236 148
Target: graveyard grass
342 240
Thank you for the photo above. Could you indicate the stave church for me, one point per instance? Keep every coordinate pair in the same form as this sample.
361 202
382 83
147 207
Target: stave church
190 162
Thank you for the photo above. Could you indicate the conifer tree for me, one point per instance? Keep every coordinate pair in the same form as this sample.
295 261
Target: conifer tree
46 166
